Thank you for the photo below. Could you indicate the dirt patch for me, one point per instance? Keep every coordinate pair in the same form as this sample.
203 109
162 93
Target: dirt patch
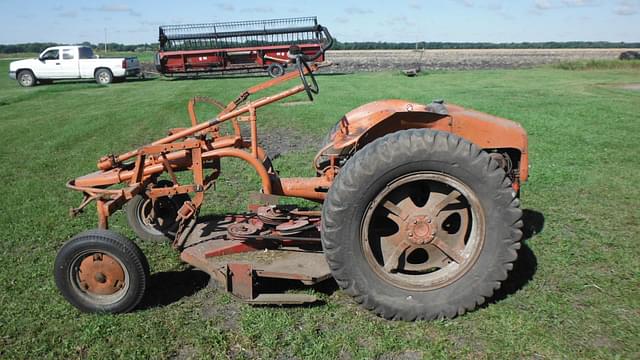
227 316
348 61
634 87
468 59
185 352
238 352
280 141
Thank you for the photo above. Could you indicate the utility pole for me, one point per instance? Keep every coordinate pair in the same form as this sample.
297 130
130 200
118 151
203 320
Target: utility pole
105 40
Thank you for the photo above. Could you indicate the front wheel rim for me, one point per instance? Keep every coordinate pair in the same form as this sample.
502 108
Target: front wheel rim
26 79
99 277
423 231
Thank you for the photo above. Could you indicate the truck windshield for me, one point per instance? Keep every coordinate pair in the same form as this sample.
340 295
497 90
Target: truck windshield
85 53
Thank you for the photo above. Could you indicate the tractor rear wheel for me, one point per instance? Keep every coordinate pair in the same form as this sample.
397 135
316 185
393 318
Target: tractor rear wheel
421 224
155 221
100 271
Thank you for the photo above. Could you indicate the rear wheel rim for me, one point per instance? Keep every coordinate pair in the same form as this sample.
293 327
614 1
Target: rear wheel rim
99 277
423 231
103 77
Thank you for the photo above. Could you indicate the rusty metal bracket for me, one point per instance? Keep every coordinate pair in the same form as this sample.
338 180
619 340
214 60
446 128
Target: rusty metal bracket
240 280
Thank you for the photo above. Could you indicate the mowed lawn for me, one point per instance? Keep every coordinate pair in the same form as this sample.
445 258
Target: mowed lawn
574 293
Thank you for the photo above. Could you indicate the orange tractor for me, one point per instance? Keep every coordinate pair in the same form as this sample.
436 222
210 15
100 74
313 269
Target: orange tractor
420 214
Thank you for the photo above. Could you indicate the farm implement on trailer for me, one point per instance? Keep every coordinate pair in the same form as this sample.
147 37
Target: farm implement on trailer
238 45
420 215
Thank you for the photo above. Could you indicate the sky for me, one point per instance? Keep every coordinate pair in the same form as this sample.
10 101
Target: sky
137 21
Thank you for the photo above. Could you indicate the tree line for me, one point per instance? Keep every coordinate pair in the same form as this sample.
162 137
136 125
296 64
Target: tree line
482 45
37 47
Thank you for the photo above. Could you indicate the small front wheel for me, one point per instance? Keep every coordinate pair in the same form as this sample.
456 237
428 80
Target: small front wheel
100 271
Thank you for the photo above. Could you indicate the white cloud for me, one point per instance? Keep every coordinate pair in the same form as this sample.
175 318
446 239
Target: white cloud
259 9
69 14
467 3
357 11
627 7
543 4
579 3
115 8
226 6
415 5
556 4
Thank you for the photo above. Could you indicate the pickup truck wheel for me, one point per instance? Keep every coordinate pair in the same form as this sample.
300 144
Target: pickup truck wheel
26 78
421 224
104 76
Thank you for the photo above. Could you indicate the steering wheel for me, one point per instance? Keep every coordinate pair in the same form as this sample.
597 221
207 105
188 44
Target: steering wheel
302 65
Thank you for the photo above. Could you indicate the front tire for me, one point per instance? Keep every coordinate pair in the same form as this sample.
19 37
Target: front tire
104 76
100 271
421 224
26 78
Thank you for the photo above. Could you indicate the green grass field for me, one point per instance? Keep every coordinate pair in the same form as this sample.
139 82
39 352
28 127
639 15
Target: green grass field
574 292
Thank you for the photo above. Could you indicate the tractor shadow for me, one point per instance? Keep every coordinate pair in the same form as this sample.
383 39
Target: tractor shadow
525 267
169 287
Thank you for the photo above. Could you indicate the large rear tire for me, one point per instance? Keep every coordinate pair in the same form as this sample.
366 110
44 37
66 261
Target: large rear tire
421 224
100 271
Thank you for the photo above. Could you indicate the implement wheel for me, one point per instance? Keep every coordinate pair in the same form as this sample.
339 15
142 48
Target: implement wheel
421 224
155 221
275 70
99 271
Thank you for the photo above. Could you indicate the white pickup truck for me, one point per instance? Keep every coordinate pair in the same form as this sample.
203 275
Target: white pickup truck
72 62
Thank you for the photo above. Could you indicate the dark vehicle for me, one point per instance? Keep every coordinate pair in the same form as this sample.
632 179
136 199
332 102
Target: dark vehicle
242 45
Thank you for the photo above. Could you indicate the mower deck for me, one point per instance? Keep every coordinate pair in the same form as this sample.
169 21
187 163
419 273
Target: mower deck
241 266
